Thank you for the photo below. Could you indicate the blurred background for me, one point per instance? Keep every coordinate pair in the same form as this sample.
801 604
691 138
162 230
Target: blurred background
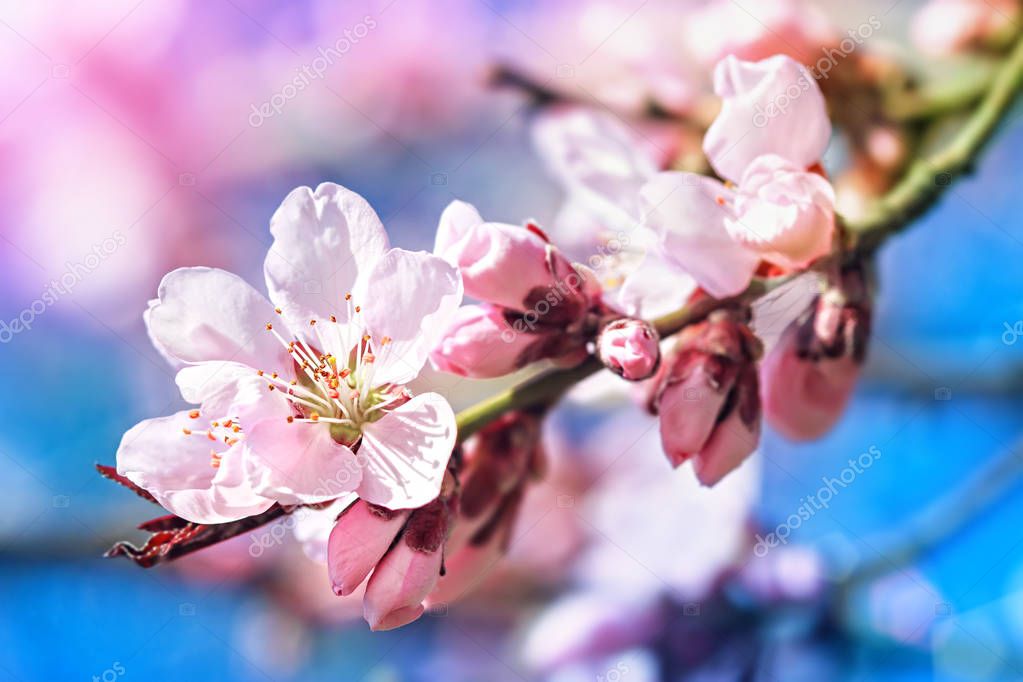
140 136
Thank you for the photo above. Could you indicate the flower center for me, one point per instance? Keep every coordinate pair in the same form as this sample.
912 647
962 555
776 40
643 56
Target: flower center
336 388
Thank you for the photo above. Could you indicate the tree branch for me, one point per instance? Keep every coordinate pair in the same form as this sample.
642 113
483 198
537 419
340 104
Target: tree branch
547 388
927 178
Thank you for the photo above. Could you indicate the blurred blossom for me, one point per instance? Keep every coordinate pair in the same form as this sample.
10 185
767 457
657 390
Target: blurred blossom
421 66
602 165
903 606
944 27
589 625
644 516
133 126
755 31
625 57
785 574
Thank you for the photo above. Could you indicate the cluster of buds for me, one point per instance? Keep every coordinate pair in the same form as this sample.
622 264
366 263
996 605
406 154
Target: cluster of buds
413 560
707 395
534 303
811 373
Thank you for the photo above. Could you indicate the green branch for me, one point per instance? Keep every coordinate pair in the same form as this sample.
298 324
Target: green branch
928 177
935 101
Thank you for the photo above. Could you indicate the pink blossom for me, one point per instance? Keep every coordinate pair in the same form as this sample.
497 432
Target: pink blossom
603 165
772 127
481 343
755 31
487 253
783 213
773 106
628 58
305 407
943 27
803 399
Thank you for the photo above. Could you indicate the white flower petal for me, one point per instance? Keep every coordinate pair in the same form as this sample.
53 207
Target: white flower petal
156 455
322 241
298 463
769 107
405 454
210 314
410 297
683 208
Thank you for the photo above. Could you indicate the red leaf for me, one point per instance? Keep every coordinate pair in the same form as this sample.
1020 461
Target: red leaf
111 473
173 537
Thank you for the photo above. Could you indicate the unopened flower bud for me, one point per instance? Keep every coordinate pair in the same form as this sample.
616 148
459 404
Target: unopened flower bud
497 460
509 265
481 343
708 398
810 375
358 542
486 341
838 322
629 348
410 569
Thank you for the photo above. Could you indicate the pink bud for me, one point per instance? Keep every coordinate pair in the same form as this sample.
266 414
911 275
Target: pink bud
464 570
358 541
481 343
499 263
410 569
470 563
804 398
736 436
707 398
810 375
498 461
688 412
629 348
485 341
511 266
397 588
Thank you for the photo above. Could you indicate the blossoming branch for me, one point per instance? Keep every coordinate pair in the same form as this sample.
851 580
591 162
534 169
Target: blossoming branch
313 400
